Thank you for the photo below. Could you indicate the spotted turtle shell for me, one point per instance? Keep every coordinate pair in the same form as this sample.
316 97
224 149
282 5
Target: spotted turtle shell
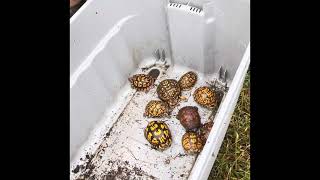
169 91
192 143
158 135
188 80
141 82
156 108
205 97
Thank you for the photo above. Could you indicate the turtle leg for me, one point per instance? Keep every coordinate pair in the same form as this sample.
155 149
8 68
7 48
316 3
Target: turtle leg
187 89
167 115
130 80
169 111
154 147
147 89
150 87
183 98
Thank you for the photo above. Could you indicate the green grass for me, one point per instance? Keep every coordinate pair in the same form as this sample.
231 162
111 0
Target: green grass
233 161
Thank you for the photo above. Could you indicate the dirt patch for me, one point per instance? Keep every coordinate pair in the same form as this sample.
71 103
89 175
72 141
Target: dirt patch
125 172
76 169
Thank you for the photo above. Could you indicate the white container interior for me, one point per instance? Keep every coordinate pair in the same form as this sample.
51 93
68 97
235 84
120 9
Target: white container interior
112 40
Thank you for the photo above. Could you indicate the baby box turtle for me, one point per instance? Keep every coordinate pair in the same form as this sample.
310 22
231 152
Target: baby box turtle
189 118
188 80
205 130
169 91
192 143
205 96
142 82
156 108
158 135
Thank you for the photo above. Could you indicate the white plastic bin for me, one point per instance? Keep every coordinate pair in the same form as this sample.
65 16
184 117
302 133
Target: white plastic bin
111 40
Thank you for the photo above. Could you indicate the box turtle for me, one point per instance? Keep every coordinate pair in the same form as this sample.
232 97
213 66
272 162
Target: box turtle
205 131
205 96
158 135
169 91
142 82
188 80
156 108
189 118
192 143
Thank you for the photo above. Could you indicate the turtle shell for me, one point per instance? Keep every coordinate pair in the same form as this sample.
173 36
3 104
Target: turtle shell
141 82
169 91
156 108
192 143
158 135
205 130
188 80
189 117
205 97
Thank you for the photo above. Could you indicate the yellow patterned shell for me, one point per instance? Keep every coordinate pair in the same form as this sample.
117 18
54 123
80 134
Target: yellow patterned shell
205 96
158 135
141 82
188 80
169 91
156 108
192 143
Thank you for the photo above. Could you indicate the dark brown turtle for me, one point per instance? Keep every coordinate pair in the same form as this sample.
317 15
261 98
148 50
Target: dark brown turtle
205 131
189 118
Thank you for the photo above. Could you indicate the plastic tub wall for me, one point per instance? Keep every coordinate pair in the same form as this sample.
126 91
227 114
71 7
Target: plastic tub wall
109 39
